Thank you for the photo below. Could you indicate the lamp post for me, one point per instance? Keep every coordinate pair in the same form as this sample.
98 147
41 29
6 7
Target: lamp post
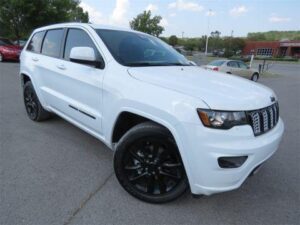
206 45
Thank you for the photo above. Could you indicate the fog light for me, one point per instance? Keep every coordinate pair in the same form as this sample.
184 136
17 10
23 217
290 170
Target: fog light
232 162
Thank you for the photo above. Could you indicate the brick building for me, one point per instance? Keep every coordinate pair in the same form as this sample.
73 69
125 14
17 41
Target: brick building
272 48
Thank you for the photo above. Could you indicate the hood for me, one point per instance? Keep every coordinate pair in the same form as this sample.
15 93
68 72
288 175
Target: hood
220 91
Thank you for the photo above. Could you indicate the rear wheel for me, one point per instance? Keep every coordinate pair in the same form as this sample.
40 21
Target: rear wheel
255 77
34 109
148 165
1 58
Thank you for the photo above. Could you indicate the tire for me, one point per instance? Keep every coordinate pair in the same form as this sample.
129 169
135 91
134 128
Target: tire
1 58
33 107
255 77
148 165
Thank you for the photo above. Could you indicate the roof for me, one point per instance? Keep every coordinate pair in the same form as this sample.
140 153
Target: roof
87 25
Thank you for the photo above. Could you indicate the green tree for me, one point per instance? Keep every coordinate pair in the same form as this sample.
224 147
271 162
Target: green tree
173 40
215 34
144 23
19 17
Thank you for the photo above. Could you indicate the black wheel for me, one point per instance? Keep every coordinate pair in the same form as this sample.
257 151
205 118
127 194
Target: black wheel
255 77
33 106
148 165
1 58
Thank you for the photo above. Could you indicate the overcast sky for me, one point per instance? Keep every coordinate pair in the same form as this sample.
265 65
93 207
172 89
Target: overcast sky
192 16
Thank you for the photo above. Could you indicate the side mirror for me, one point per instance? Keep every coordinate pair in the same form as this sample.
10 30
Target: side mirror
85 55
192 63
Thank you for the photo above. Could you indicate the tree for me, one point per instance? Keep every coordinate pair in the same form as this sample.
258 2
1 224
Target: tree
144 23
173 40
215 34
19 18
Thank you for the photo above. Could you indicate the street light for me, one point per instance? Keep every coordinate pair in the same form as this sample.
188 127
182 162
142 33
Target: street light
206 45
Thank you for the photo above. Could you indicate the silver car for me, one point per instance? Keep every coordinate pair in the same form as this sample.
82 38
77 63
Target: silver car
234 67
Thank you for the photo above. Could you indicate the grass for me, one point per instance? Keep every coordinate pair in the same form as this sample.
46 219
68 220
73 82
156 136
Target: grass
269 74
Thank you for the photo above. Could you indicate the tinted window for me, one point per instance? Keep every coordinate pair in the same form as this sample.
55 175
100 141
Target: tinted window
78 38
136 49
217 63
52 42
36 42
233 64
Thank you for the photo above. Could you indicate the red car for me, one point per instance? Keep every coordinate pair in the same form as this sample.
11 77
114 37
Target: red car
8 50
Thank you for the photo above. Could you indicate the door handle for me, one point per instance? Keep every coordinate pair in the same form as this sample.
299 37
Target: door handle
61 66
35 59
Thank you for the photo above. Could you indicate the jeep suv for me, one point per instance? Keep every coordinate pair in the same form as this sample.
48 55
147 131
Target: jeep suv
172 126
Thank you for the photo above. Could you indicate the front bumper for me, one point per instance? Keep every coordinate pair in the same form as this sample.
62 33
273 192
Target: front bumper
201 147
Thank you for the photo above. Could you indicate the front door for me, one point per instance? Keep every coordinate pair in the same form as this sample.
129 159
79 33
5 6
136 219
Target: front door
74 89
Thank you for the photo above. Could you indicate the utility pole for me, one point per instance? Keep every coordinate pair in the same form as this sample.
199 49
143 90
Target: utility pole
182 34
206 45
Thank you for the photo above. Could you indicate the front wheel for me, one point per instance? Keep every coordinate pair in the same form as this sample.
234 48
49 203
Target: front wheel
148 165
255 77
1 58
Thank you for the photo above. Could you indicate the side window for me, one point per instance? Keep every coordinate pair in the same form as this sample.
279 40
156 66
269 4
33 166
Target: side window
52 43
243 65
233 64
36 42
78 38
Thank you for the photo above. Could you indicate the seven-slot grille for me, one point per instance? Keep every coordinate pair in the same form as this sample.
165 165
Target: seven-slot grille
263 120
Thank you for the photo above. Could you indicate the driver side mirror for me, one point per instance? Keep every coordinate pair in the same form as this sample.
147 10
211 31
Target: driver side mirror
192 63
86 56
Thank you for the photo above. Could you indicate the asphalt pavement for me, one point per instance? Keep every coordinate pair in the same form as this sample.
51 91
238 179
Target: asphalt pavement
54 173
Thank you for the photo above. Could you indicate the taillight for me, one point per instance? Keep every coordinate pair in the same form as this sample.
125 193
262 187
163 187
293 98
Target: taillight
216 68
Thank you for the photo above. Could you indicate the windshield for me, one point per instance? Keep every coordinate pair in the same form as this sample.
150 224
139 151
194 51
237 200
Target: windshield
216 63
134 49
5 42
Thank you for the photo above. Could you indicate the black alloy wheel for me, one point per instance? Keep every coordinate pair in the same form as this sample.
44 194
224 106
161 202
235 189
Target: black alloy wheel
151 168
31 104
34 109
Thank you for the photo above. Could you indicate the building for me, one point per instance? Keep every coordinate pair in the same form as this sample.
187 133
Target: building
272 48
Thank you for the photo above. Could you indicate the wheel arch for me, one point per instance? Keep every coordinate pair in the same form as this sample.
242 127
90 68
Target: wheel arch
127 119
24 78
169 125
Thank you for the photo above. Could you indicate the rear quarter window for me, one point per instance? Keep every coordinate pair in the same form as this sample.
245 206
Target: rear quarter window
36 42
52 43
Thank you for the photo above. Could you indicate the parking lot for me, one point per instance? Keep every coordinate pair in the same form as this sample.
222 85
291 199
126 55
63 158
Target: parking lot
54 173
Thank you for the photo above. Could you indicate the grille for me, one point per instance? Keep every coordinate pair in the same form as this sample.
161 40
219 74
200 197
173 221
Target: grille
263 120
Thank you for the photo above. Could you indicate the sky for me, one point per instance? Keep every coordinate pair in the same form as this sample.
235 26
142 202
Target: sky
198 17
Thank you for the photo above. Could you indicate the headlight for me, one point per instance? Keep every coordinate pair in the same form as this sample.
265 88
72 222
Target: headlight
221 119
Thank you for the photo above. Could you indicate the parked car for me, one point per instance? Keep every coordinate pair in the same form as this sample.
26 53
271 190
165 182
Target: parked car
235 67
172 126
21 43
219 53
8 50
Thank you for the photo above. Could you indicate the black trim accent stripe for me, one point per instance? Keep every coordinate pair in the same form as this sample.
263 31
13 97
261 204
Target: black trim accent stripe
84 113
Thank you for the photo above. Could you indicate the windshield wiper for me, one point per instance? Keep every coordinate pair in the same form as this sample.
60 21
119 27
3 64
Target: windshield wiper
155 64
176 64
142 64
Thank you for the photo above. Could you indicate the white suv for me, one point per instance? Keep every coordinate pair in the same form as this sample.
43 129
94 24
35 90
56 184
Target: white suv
172 125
